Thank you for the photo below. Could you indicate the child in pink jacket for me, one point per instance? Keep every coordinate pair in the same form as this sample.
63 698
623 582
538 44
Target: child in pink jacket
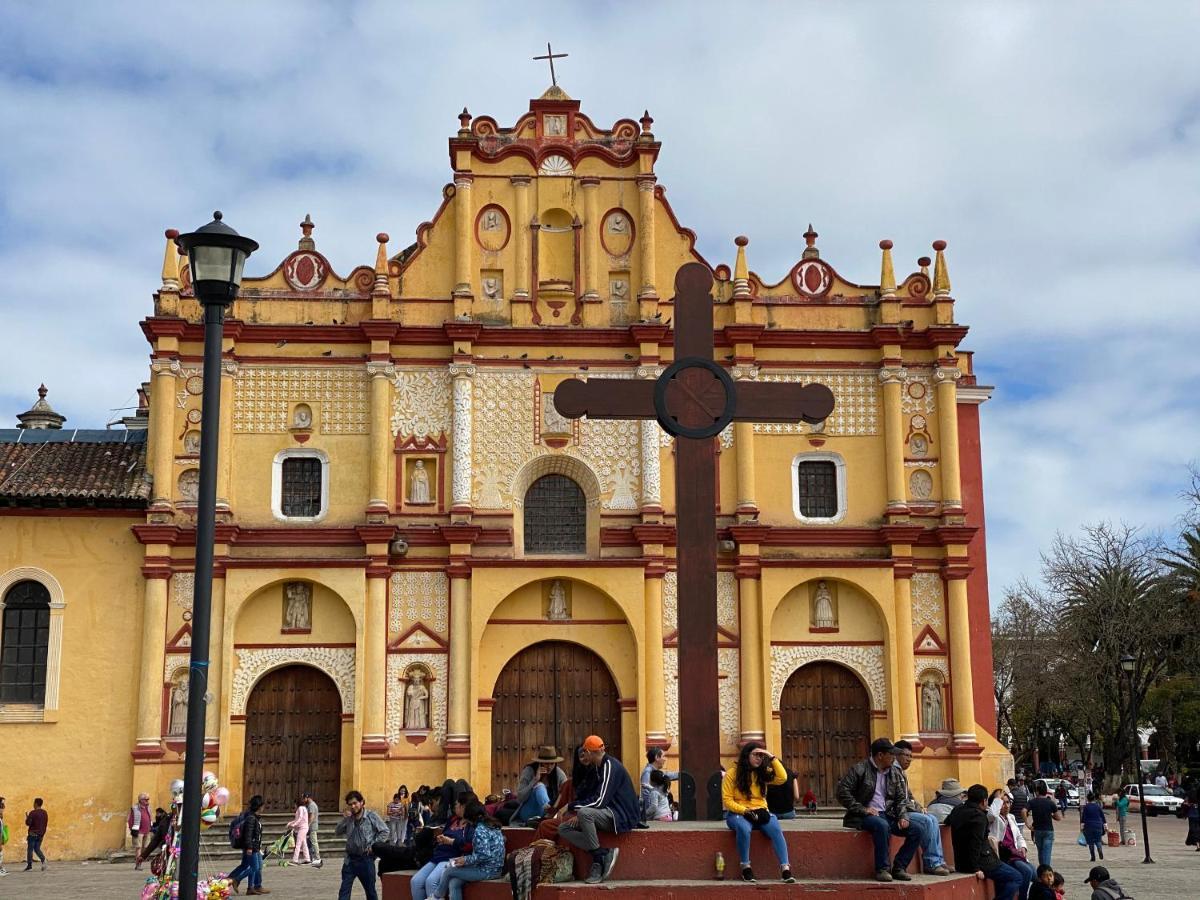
300 824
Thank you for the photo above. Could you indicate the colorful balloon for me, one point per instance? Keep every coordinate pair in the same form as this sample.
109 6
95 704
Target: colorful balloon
222 795
177 786
208 782
208 817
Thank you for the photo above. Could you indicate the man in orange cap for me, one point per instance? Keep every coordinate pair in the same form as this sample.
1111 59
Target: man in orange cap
609 804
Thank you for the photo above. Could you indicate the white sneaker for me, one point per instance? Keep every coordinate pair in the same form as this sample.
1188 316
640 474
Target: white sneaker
3 872
317 863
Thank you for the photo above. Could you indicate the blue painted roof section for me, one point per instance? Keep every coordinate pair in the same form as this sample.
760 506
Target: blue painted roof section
72 436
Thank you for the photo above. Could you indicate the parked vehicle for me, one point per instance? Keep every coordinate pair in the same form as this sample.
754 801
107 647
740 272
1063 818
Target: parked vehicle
1052 786
1157 800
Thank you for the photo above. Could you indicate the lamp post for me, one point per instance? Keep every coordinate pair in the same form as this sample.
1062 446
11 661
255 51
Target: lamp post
216 254
1128 664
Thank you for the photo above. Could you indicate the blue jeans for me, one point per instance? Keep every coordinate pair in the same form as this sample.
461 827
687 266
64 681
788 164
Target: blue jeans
250 868
790 814
425 882
1008 881
534 805
880 828
34 845
1044 841
361 868
741 834
932 854
1027 873
454 879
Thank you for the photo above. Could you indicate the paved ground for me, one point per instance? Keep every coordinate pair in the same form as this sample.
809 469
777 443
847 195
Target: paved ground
1174 877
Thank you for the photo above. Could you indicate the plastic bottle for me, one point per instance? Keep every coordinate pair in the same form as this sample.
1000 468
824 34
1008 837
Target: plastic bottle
720 862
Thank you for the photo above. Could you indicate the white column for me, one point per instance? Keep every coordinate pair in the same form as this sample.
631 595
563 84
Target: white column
651 466
460 485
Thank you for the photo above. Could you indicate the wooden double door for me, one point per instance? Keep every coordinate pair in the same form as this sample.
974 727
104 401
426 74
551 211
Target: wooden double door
553 693
294 739
826 721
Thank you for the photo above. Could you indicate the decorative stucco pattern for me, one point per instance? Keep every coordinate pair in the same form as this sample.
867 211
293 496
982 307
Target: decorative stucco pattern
928 603
866 661
727 611
856 411
263 397
183 589
397 663
336 662
419 597
421 404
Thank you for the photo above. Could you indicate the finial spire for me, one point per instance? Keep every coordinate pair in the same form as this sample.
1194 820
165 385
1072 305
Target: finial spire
170 268
810 244
941 277
887 272
741 271
306 230
464 122
381 263
40 417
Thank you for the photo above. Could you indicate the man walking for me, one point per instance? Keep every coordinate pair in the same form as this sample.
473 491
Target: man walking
314 846
608 803
933 858
140 823
874 798
362 828
973 853
1020 798
36 820
1044 812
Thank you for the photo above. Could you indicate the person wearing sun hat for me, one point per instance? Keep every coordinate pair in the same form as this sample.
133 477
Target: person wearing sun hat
541 780
607 803
948 796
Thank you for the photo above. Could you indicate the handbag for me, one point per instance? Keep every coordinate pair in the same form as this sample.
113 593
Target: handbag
1082 841
3 833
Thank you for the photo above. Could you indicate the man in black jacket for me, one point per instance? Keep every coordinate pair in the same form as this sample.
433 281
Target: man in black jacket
973 852
875 798
608 804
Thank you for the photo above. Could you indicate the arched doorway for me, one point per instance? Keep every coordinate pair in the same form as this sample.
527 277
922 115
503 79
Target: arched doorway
555 693
294 738
826 719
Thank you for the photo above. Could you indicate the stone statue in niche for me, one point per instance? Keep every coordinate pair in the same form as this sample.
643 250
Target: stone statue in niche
191 443
918 446
823 607
619 290
557 611
618 224
416 701
177 722
418 483
491 220
622 497
302 416
297 606
491 288
932 718
556 126
189 485
553 422
920 485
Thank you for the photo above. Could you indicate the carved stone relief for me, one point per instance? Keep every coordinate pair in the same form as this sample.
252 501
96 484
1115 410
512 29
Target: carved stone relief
920 485
263 397
866 661
421 405
336 662
856 411
397 665
727 612
419 597
183 589
189 485
928 604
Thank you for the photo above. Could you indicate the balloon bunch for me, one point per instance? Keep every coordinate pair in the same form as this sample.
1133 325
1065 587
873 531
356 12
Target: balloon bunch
166 885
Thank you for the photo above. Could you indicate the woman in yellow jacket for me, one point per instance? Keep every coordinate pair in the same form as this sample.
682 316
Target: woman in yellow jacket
744 794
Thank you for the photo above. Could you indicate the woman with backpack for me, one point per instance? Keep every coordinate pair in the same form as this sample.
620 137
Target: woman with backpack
486 859
245 833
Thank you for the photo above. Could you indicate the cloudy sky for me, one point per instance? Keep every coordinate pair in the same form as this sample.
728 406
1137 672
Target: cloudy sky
1054 146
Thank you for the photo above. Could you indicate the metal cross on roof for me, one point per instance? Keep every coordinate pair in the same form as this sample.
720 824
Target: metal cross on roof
551 56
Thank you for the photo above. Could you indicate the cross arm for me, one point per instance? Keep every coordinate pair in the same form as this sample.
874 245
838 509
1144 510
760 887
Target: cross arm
605 398
782 402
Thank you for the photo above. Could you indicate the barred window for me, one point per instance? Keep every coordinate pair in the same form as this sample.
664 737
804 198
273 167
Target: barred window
816 489
26 639
301 494
555 516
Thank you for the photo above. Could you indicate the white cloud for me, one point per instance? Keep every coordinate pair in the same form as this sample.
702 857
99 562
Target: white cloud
1054 147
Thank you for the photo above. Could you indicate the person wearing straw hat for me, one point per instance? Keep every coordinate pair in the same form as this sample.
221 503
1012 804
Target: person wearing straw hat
945 798
541 780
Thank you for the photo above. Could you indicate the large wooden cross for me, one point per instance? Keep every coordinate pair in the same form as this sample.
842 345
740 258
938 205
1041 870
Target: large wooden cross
693 400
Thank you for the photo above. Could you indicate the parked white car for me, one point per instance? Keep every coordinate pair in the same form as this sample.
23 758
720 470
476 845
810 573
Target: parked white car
1052 786
1157 800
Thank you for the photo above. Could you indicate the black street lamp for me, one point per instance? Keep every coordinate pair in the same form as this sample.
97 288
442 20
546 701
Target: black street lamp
1128 664
216 254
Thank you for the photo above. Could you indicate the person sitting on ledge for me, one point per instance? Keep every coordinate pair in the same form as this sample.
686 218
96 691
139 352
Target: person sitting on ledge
933 858
744 796
875 795
609 804
541 780
973 852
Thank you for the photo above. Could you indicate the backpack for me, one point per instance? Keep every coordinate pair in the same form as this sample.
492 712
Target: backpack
237 837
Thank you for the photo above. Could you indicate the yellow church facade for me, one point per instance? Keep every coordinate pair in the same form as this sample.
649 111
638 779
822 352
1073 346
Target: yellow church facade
424 571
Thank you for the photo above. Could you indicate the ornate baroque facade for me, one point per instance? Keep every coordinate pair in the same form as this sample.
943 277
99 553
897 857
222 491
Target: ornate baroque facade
420 388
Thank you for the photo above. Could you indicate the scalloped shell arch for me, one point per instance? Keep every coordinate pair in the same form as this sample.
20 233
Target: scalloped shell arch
556 164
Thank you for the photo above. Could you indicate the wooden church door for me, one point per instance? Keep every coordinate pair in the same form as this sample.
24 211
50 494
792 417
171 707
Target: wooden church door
294 739
554 693
826 719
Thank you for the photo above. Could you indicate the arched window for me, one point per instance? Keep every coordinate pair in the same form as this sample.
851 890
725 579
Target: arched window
555 516
25 643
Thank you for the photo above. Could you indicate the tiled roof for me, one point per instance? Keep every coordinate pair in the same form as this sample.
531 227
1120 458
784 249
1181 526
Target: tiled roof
72 467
